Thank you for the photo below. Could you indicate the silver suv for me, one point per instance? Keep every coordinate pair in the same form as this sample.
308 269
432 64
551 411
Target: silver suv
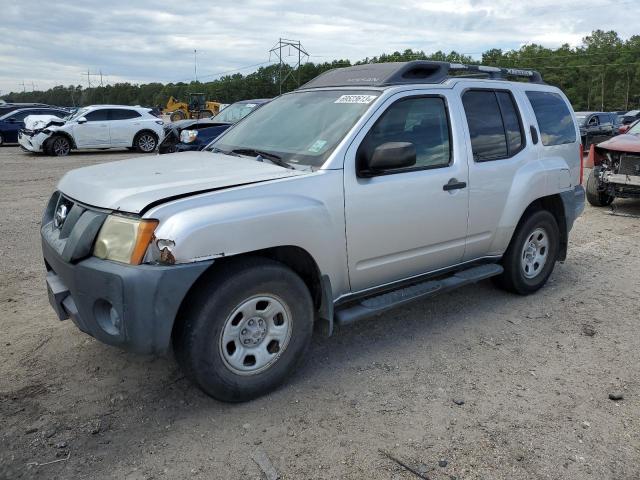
367 188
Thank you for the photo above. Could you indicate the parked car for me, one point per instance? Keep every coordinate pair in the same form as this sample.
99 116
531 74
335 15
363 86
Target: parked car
625 128
187 135
11 123
365 189
595 126
616 168
10 107
97 126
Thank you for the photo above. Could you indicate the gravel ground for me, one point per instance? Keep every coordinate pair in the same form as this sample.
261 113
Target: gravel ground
475 384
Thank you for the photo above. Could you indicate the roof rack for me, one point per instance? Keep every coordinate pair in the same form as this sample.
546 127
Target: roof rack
417 71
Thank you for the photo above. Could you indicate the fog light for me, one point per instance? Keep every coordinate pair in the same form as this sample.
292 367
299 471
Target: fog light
107 317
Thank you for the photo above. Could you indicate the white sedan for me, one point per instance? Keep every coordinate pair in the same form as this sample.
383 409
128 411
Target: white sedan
97 126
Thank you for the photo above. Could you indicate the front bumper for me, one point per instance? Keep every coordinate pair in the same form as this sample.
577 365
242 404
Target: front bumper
129 306
32 141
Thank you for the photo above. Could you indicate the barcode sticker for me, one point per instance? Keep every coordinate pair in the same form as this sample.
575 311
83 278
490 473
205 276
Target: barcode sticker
356 99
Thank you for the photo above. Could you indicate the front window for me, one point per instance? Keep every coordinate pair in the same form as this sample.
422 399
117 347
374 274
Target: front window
234 113
635 129
302 127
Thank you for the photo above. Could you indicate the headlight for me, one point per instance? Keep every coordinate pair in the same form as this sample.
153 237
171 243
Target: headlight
124 239
188 136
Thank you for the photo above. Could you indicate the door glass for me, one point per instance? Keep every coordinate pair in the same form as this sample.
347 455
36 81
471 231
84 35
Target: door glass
486 129
420 121
98 115
512 123
554 118
123 114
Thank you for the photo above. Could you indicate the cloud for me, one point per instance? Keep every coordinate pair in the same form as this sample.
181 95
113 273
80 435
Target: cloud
149 40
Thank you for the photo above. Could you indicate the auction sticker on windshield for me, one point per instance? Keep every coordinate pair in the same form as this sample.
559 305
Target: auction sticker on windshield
356 99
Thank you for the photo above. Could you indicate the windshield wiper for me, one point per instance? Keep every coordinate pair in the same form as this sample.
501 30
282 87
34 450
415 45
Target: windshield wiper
272 157
224 152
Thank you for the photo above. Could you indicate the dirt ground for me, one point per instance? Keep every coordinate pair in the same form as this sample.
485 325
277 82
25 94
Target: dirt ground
475 384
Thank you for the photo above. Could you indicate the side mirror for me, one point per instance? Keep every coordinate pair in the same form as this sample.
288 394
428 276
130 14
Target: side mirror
390 156
82 120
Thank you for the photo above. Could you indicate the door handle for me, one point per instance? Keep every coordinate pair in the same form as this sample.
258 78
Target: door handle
454 184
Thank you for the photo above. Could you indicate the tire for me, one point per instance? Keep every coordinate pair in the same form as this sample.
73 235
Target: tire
205 114
596 197
531 255
58 146
212 330
145 142
177 116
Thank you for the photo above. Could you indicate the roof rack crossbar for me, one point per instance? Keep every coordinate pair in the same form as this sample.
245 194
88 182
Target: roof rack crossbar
417 71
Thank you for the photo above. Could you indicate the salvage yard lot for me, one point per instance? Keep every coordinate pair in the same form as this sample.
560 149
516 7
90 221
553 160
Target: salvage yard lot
496 385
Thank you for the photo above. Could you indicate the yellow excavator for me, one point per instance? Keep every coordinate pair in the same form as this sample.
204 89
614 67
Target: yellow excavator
198 107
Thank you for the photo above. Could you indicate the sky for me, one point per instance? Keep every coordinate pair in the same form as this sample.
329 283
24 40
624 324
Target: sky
55 43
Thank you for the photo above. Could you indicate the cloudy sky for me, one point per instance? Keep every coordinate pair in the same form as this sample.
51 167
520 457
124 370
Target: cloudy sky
51 43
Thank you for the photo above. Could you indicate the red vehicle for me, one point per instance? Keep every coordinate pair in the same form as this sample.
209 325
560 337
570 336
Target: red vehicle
627 127
616 168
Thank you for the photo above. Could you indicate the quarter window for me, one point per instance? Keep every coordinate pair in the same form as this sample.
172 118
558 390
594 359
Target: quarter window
554 118
422 121
494 123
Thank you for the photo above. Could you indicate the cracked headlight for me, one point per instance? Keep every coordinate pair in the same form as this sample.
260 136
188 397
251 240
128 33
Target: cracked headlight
188 136
124 239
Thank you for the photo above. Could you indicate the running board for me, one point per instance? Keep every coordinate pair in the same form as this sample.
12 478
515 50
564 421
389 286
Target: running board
380 303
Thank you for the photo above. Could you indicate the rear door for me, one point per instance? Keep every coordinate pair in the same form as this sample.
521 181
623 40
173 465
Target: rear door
402 223
124 124
498 147
94 133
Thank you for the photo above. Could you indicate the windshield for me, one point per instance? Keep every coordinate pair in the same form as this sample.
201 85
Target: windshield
234 113
635 129
301 127
79 113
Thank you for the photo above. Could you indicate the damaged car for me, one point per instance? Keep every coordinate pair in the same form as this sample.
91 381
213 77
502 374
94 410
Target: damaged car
188 135
615 168
98 126
12 122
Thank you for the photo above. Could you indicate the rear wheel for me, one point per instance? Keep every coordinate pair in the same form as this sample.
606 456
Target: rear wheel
59 146
595 196
246 329
145 142
532 254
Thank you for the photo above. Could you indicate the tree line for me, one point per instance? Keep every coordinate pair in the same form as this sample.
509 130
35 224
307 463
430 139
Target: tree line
602 73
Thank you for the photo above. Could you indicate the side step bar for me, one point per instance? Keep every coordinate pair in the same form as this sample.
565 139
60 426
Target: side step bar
375 305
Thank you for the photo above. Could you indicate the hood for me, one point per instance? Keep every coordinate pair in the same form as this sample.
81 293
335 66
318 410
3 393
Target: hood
35 122
131 185
622 143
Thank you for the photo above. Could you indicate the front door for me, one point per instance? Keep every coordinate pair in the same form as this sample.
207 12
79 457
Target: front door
413 220
94 133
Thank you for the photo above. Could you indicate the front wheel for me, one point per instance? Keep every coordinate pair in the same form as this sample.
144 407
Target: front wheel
532 254
595 196
246 329
59 146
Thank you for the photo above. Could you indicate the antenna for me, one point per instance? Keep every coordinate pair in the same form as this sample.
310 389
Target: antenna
277 51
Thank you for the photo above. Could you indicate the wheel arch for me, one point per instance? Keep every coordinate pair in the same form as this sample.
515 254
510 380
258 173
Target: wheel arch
145 130
60 133
297 259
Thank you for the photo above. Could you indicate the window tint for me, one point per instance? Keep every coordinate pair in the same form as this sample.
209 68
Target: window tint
122 114
554 118
98 115
20 116
512 123
604 119
488 140
421 121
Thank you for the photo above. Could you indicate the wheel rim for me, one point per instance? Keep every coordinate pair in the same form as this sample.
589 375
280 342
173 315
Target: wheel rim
60 146
535 253
146 143
255 335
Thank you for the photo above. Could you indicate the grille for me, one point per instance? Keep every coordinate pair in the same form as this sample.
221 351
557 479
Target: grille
629 165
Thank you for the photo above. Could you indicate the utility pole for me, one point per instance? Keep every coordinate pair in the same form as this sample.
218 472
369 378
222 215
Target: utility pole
24 87
195 64
277 51
626 100
88 78
33 86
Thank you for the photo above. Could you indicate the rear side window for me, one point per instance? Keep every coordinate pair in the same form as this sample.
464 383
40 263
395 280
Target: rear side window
121 114
554 118
97 115
494 123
